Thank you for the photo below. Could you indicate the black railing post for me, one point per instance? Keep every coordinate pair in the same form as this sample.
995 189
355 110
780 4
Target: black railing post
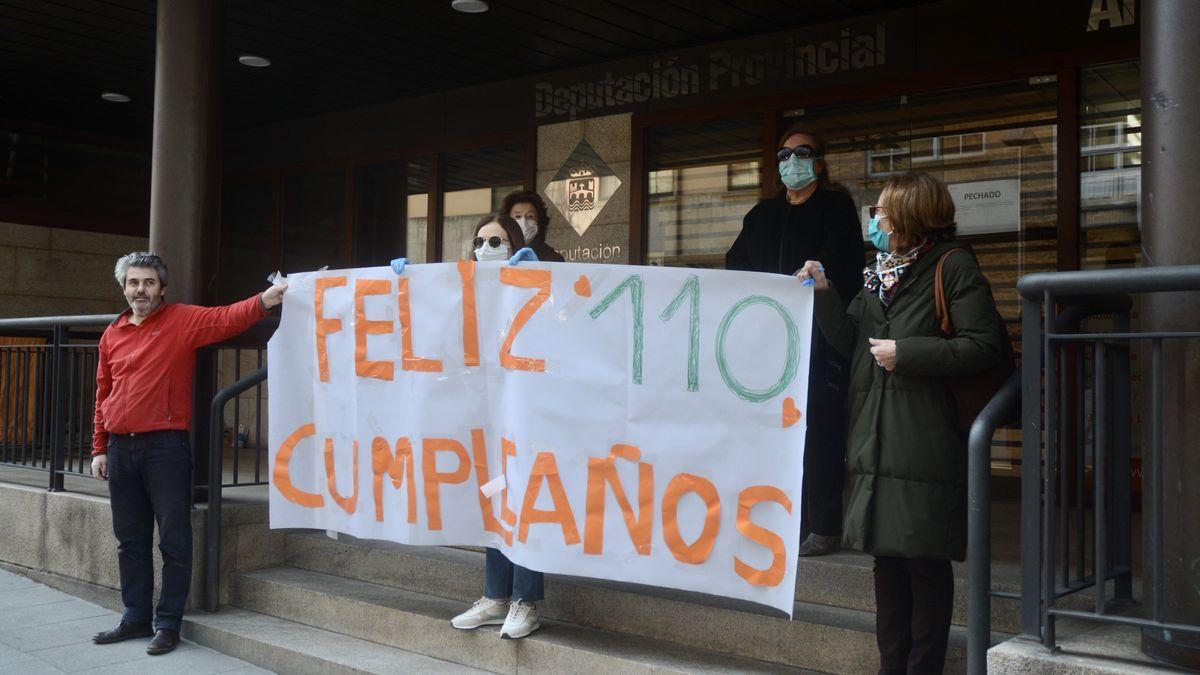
212 556
1031 454
1121 545
1050 457
1100 450
1153 478
58 415
979 516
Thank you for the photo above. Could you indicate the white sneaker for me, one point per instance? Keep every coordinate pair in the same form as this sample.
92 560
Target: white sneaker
522 620
485 612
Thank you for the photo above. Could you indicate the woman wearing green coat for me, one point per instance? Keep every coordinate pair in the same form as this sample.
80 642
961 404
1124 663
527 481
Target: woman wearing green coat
905 457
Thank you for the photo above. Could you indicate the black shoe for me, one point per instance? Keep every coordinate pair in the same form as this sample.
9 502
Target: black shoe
123 631
819 544
165 640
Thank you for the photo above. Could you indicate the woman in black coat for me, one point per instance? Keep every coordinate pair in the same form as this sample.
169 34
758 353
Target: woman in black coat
811 219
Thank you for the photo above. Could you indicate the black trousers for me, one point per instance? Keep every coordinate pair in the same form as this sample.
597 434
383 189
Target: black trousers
914 602
149 481
824 468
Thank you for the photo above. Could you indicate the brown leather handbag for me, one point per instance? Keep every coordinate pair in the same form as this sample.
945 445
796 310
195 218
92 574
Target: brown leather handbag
971 392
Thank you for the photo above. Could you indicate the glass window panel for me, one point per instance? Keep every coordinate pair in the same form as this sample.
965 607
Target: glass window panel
662 182
1110 138
80 182
392 211
744 175
476 183
715 174
313 220
245 238
981 139
417 209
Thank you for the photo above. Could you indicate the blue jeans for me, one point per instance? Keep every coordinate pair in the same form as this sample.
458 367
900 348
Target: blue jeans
506 580
150 480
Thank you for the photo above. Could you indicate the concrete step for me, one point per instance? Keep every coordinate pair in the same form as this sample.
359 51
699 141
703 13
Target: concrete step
289 647
419 622
843 579
846 579
820 637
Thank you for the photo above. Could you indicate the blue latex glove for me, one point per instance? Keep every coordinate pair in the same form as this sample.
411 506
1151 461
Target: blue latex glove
399 264
524 254
807 282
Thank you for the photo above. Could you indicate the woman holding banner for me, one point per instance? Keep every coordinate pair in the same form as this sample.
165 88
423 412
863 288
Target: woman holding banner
907 456
529 211
510 591
811 219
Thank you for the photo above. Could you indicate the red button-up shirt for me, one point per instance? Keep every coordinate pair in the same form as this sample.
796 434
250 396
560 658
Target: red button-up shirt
144 375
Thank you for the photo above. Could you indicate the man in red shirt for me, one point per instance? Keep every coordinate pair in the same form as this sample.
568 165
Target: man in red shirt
140 444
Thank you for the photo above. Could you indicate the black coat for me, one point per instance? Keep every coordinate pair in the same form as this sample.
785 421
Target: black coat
907 461
779 237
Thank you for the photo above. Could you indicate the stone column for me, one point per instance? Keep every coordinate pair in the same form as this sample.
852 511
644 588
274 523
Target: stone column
1170 172
185 167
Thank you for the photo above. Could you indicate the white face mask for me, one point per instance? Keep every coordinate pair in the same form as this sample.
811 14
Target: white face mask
529 228
486 253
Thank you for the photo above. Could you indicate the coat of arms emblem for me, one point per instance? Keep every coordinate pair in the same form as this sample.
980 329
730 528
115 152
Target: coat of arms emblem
581 189
582 186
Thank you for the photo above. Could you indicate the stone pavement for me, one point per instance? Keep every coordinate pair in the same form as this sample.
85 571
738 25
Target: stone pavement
47 631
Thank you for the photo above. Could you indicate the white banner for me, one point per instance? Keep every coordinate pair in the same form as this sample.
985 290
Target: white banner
629 423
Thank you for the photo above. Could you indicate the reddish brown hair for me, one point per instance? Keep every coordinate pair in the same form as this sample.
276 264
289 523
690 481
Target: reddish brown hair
528 197
919 208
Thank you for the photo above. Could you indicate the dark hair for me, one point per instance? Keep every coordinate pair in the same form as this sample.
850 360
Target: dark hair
820 147
512 230
528 197
919 208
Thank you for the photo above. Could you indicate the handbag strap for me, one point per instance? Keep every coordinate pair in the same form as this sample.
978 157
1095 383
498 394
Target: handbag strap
941 311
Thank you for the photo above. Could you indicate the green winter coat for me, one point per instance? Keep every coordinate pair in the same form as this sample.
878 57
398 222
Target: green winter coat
907 464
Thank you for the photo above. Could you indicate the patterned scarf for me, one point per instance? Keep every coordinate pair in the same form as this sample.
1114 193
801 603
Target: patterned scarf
884 276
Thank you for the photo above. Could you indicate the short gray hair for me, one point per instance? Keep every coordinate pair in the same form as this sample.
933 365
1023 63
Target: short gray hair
140 259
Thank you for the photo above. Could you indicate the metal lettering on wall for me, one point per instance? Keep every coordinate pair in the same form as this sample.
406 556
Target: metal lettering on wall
582 186
1111 14
775 59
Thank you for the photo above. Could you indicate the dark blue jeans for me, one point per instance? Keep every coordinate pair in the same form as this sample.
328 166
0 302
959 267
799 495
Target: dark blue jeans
150 480
506 580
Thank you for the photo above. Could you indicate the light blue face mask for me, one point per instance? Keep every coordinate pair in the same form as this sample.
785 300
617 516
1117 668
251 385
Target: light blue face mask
796 173
879 238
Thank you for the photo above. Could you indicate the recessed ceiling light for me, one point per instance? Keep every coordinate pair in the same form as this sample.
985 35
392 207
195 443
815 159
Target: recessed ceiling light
254 61
470 6
114 97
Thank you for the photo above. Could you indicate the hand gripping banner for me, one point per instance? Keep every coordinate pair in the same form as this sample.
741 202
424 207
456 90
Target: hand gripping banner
638 424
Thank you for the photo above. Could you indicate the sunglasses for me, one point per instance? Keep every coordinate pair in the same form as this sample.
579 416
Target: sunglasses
492 241
876 209
801 151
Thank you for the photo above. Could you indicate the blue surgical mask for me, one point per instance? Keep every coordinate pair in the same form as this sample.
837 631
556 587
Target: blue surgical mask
796 173
879 238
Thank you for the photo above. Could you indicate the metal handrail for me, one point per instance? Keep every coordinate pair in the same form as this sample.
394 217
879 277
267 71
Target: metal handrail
52 322
999 411
212 562
1107 282
1044 339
